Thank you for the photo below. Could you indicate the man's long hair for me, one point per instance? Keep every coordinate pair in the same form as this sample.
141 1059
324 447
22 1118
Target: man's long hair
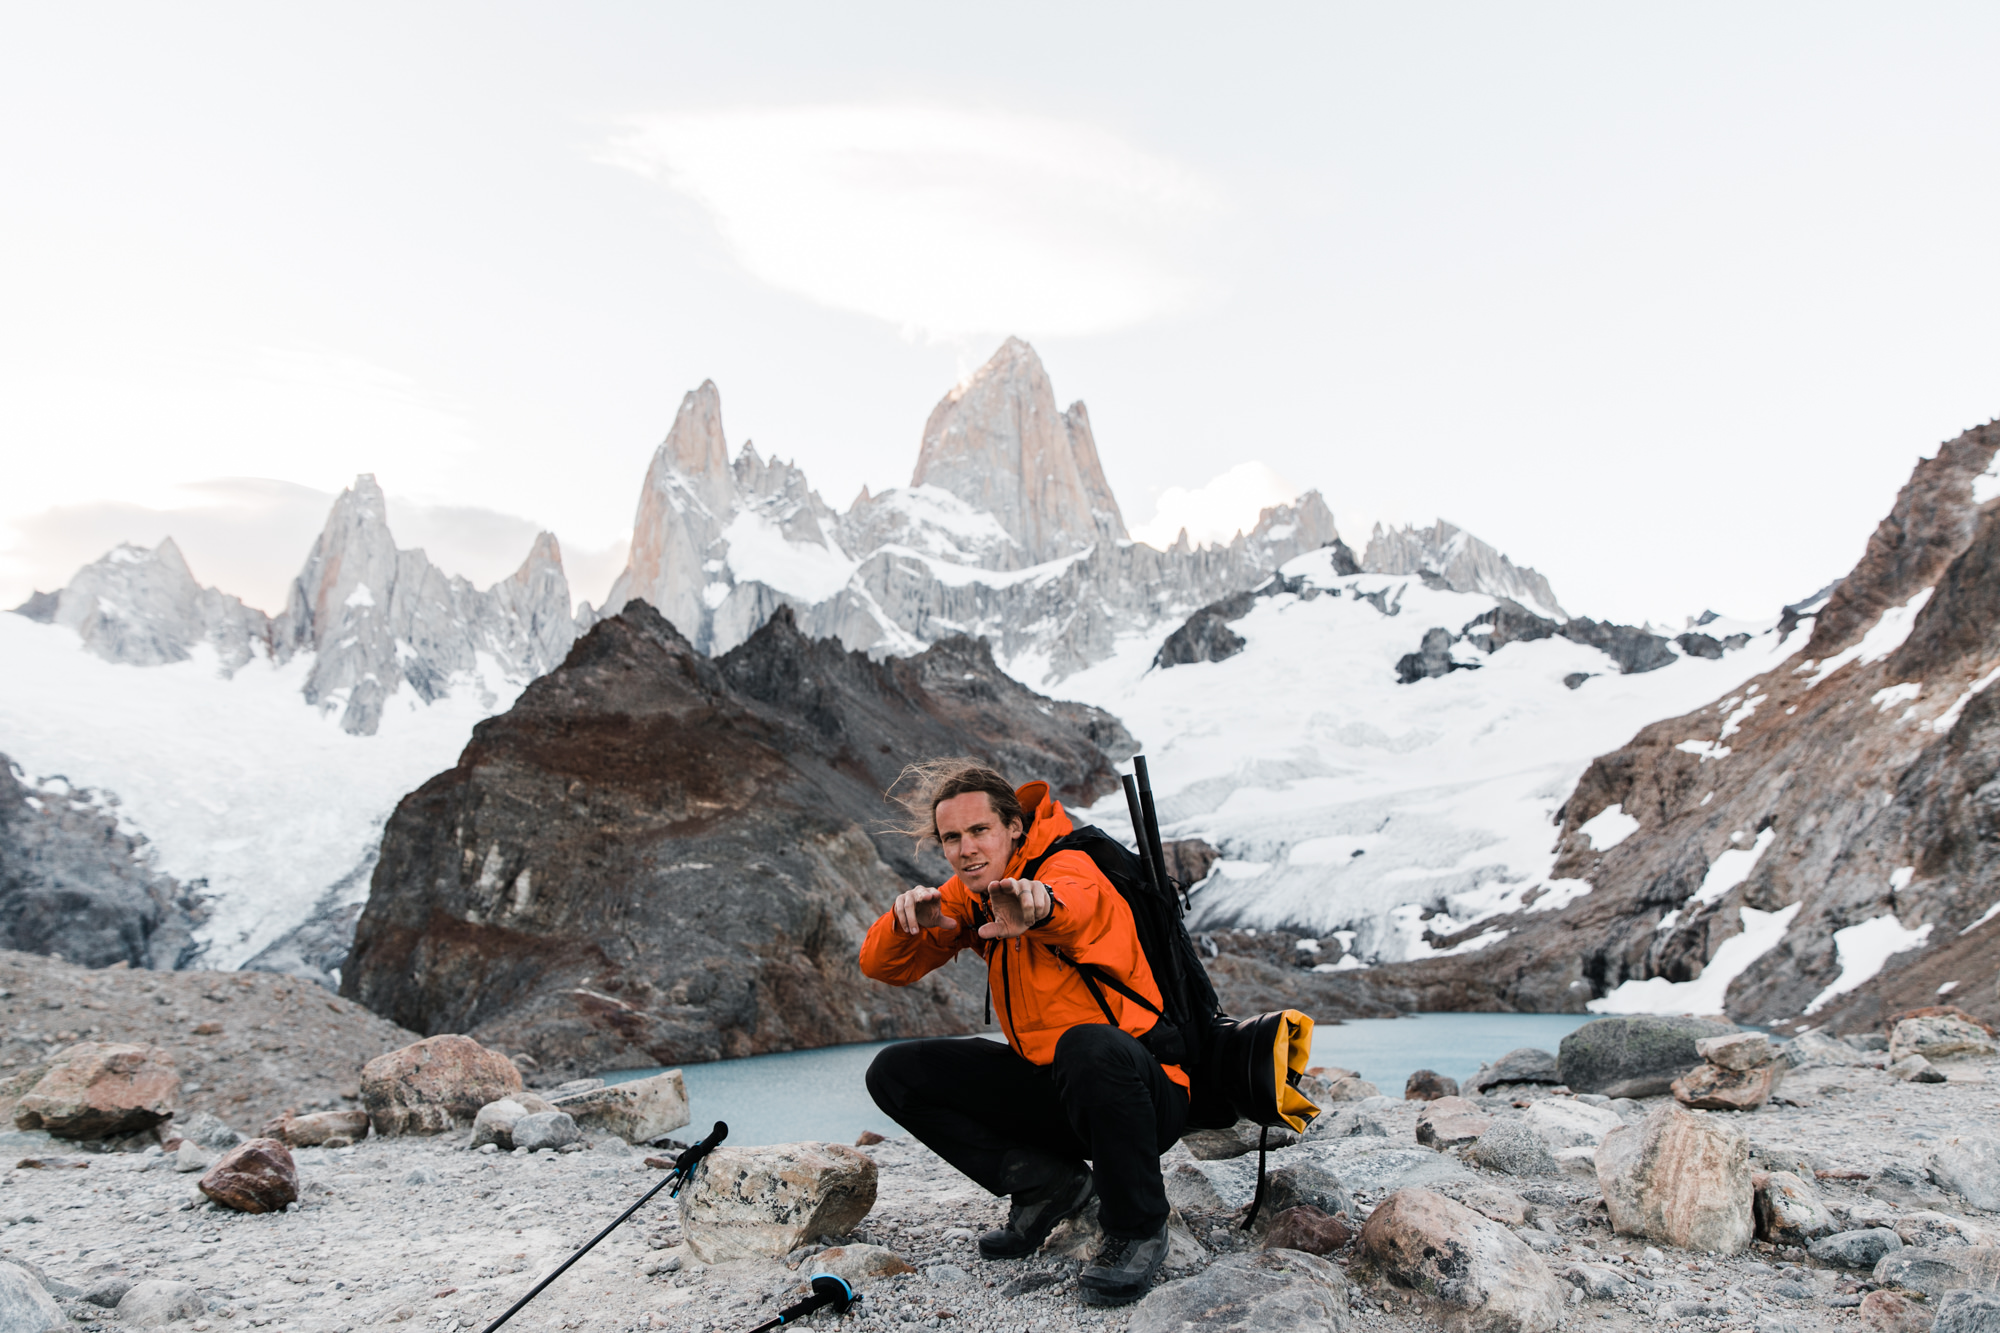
920 789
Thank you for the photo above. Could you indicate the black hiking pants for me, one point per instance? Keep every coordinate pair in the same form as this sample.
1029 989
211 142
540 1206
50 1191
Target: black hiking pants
1104 1100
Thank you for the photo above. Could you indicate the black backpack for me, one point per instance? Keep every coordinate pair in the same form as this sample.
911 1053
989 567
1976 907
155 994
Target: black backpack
1233 1064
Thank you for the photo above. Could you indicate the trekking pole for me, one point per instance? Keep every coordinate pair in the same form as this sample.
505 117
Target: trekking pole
684 1166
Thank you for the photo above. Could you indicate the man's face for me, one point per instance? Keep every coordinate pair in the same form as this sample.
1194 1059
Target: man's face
976 843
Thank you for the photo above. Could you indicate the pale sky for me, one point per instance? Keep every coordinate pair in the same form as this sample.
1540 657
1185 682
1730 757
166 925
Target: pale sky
1663 302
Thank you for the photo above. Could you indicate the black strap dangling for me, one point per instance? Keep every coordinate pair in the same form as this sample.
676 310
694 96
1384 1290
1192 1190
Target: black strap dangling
1256 1203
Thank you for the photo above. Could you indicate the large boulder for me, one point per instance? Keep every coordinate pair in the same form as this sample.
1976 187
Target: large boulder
1737 1051
1565 1123
1681 1177
1427 1085
1447 1122
254 1177
1938 1037
435 1085
1474 1273
1935 1272
637 1111
1633 1055
1966 1312
1969 1166
1862 1247
25 1306
763 1203
1712 1087
97 1089
1523 1065
1787 1210
1305 1184
1514 1148
1249 1293
156 1303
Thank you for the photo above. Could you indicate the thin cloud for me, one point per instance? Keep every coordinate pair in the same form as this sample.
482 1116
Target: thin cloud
1216 512
941 221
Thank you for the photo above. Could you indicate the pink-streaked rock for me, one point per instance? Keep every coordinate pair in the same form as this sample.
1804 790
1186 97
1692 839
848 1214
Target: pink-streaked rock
435 1085
1709 1087
1476 1275
1681 1177
96 1089
1307 1228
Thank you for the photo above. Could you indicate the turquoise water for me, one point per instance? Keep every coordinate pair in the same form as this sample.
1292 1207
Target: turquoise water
819 1094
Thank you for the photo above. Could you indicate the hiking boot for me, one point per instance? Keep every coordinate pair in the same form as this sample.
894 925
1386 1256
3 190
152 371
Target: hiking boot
1051 1191
1123 1269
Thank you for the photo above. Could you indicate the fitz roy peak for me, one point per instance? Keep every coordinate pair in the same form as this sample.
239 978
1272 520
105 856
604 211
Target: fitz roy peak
1008 530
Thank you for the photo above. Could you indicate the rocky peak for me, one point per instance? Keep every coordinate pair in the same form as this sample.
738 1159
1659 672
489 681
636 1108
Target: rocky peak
998 443
144 608
1462 561
376 617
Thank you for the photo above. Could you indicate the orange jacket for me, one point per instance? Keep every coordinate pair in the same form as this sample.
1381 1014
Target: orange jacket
1037 995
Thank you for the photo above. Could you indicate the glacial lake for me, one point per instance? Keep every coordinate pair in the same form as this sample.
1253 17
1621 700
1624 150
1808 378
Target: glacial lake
800 1095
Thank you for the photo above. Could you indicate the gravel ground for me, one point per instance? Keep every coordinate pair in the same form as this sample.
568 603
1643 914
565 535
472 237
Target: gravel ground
421 1231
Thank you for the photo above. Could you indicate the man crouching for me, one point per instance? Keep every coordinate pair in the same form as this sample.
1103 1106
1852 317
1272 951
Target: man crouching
1068 1087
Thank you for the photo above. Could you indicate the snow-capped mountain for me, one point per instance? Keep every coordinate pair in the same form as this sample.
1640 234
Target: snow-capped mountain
254 759
1007 530
1378 765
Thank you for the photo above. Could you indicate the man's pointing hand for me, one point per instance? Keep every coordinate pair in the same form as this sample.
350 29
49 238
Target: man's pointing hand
1017 904
917 911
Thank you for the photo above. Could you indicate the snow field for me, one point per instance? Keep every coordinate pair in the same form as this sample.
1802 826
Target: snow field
1345 801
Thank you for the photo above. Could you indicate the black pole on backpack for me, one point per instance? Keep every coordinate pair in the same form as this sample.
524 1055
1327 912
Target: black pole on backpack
1154 875
1152 830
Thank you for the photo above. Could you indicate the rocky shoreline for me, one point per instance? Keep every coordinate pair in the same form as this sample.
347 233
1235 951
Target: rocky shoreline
1874 1195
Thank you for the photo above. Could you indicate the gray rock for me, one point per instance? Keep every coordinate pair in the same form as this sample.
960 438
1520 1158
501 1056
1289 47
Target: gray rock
1513 1148
1306 1183
1855 1249
1969 1166
1937 1037
205 1128
546 1129
946 1273
1475 1273
25 1307
1524 1065
154 1303
1597 1282
1190 1189
1916 1069
1680 1177
1935 1271
422 1175
1968 1312
190 1156
1378 1166
1637 1055
1817 1048
1788 1212
1271 1291
495 1122
1347 1123
108 1291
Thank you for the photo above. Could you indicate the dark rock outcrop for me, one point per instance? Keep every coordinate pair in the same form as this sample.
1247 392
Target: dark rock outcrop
1432 660
1859 780
72 883
1206 637
658 857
